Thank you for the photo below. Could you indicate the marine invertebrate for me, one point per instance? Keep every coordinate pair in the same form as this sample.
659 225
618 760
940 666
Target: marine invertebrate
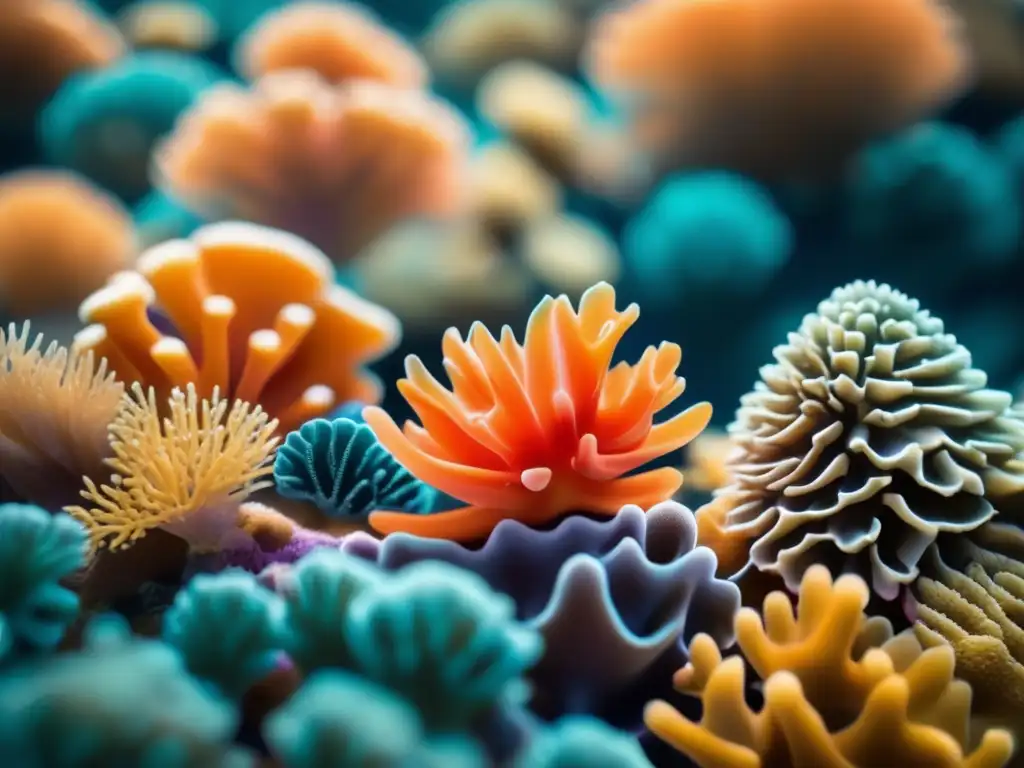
251 312
833 696
37 550
55 406
337 166
934 192
614 600
707 461
706 234
159 217
338 41
105 123
732 83
95 240
570 253
228 628
82 708
187 473
341 468
534 430
582 741
868 437
42 44
508 190
179 25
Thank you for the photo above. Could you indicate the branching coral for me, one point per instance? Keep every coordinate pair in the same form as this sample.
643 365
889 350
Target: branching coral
37 550
339 41
832 696
55 406
868 436
341 468
256 310
337 166
94 240
614 600
739 84
534 430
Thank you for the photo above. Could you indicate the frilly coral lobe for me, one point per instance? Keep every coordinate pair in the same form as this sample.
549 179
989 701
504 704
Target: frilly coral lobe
534 430
615 600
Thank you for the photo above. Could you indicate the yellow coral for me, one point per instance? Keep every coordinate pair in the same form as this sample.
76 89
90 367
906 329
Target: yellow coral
186 474
834 697
55 406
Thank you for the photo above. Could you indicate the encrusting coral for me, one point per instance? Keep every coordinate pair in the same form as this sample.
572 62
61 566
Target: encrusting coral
245 309
839 692
534 430
336 165
55 406
868 438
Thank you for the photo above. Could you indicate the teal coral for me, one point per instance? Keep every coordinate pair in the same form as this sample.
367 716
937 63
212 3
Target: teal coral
37 550
582 742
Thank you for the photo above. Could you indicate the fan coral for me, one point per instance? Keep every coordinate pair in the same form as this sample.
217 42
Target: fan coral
339 41
935 193
104 124
705 235
337 166
41 44
341 468
869 436
832 696
256 309
614 600
37 550
535 430
55 406
186 474
121 701
570 253
228 629
93 241
738 84
580 741
178 25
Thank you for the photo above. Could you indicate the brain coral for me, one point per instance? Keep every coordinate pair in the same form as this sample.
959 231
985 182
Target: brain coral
869 435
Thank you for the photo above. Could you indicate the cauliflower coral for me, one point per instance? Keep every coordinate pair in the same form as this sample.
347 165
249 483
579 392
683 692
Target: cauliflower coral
534 430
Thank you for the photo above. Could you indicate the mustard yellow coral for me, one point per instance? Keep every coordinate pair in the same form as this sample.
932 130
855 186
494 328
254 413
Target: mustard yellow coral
834 696
186 474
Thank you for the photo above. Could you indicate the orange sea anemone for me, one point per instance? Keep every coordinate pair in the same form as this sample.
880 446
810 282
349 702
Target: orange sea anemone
536 430
258 316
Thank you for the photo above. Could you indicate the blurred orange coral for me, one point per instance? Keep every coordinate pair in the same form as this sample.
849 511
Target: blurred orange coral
339 41
336 165
42 43
175 24
536 430
60 238
772 87
259 317
707 459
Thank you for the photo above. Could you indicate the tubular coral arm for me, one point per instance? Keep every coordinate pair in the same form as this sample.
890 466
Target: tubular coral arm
533 430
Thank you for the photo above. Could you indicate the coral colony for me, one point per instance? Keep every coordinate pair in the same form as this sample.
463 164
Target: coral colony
342 412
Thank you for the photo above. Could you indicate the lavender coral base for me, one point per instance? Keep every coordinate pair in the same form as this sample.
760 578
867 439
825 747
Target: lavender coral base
616 600
255 559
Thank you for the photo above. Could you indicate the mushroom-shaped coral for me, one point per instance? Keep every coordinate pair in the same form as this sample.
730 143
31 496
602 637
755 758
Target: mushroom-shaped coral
508 190
341 468
55 407
338 41
37 550
534 430
178 25
105 123
614 600
258 315
570 253
833 697
868 436
120 701
42 43
706 234
337 166
738 84
94 240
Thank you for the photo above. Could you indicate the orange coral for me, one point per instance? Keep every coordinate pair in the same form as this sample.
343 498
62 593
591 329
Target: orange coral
259 317
707 457
535 430
338 41
176 24
337 166
775 86
94 239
